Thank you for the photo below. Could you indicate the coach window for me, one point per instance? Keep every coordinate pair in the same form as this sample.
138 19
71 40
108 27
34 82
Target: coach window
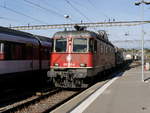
29 51
8 51
80 45
60 45
1 47
1 51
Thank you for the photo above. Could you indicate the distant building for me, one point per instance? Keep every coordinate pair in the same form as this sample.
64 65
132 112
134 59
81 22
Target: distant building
128 57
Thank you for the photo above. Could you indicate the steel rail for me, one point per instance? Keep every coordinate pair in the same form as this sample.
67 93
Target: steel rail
28 103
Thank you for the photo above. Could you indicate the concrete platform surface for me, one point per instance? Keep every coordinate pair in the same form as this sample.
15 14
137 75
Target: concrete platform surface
128 94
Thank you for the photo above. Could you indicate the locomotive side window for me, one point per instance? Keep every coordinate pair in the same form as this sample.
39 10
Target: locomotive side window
91 45
101 48
95 46
80 45
106 49
60 45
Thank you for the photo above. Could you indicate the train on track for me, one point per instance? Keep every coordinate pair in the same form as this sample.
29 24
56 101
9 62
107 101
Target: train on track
79 55
23 55
71 59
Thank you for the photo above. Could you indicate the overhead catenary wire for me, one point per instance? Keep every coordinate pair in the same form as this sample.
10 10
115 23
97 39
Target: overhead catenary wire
51 5
9 19
19 13
46 9
84 7
56 9
77 10
93 5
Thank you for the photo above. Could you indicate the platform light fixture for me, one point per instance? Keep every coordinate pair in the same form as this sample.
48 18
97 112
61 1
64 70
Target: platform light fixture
67 17
142 2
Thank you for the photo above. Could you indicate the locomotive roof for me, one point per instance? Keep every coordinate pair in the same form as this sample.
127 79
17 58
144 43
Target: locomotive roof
15 32
101 35
75 33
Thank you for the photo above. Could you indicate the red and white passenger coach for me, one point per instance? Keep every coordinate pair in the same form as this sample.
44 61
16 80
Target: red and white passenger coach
22 54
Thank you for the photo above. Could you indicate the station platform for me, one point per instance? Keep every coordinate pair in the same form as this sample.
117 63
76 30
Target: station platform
122 94
128 94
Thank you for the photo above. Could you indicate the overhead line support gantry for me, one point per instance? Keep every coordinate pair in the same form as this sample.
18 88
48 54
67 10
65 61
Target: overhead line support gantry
94 24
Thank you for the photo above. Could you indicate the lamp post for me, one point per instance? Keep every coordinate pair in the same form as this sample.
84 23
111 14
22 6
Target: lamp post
67 17
142 2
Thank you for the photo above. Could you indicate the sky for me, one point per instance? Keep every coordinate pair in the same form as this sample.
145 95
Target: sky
48 12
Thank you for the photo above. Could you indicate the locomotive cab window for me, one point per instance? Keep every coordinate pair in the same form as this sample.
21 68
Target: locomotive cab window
80 45
60 45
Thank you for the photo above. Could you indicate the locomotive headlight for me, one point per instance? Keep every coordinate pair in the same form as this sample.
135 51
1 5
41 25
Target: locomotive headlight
82 65
56 65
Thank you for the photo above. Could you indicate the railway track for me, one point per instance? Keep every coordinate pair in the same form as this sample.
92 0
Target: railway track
14 95
42 102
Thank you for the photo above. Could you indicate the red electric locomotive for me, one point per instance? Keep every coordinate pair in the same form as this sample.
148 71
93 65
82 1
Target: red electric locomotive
78 56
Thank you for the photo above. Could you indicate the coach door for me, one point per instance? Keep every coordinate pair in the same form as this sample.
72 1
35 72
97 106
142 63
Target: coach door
35 58
29 56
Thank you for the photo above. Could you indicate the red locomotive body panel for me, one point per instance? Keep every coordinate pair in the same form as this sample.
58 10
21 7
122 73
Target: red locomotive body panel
71 60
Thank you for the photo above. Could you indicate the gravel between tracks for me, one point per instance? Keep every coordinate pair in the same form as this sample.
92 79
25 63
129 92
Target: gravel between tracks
47 103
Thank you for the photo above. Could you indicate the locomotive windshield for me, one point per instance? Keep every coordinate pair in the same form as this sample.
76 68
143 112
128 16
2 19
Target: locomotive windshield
60 45
80 45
